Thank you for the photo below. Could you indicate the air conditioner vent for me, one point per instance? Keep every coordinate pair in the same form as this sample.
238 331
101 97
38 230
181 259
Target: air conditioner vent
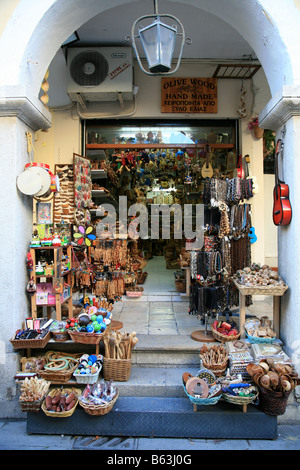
89 68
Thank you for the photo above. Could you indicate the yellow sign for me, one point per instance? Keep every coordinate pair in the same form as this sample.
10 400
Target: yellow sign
189 95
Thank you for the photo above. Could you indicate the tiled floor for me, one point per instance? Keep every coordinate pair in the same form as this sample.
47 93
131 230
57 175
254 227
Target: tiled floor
162 311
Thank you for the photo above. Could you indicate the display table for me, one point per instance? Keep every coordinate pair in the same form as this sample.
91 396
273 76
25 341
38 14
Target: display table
276 292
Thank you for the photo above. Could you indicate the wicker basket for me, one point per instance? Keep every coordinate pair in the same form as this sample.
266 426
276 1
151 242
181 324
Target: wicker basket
61 376
223 338
31 343
235 400
217 369
203 401
118 370
272 403
60 336
31 406
87 378
99 410
257 340
86 338
180 286
62 414
260 290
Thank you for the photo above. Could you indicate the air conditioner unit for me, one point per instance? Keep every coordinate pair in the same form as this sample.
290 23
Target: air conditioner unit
100 73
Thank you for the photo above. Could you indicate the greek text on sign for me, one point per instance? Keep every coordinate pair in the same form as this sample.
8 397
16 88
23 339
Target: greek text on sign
189 95
114 73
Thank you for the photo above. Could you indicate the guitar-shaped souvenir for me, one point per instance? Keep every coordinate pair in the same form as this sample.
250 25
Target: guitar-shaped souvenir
282 211
207 170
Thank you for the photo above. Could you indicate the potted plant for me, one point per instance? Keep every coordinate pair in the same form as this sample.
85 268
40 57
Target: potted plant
253 125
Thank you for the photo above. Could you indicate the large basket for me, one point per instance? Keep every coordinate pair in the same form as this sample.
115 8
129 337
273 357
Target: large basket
86 338
31 343
99 410
272 403
60 376
62 414
223 338
260 290
118 370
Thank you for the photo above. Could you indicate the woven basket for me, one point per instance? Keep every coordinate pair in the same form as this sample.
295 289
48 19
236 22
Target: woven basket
223 338
260 290
87 378
118 370
239 400
31 343
257 340
31 406
86 338
180 286
217 369
99 410
61 376
62 414
203 401
60 335
272 403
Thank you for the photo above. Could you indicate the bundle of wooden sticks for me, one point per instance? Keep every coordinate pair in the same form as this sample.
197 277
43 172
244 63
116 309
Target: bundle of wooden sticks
119 345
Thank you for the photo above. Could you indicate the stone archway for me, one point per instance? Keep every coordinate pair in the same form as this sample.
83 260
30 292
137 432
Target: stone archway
30 39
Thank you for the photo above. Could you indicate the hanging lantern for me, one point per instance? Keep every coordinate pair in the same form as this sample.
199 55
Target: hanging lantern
158 40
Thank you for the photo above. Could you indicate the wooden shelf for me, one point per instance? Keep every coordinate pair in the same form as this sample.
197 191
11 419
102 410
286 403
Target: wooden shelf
129 145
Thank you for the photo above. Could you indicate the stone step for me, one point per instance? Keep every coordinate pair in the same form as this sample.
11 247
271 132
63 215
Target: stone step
161 417
155 381
166 351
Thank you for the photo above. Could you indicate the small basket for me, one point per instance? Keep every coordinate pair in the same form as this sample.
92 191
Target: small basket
99 410
86 338
203 401
272 403
223 338
235 400
87 378
31 406
118 370
60 336
258 340
31 343
180 286
62 414
217 369
135 294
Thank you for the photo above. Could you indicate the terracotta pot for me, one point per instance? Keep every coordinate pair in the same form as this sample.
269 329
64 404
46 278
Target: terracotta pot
258 132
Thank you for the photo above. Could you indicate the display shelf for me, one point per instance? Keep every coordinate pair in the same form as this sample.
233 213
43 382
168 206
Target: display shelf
98 174
56 257
275 293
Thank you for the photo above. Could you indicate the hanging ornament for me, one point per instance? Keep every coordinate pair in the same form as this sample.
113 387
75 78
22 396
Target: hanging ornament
242 111
31 287
45 88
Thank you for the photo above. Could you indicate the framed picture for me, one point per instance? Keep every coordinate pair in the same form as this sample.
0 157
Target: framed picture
43 213
57 285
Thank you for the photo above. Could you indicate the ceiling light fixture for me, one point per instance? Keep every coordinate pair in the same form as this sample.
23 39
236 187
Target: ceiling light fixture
158 40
